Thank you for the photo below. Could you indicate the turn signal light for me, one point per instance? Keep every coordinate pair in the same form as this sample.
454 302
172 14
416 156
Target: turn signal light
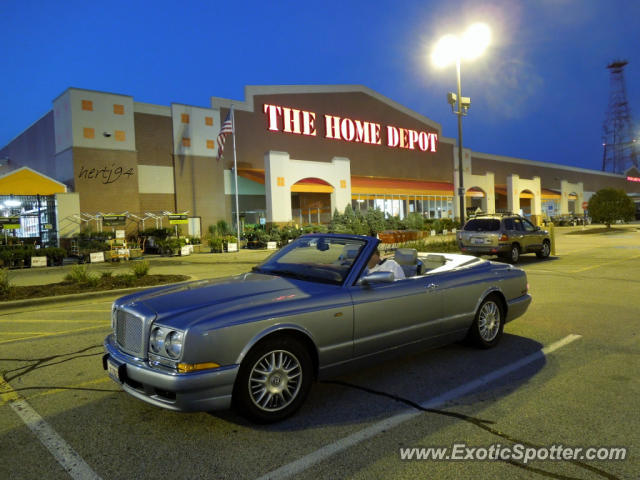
193 367
504 237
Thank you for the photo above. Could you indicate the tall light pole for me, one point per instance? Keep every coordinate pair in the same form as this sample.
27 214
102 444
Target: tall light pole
449 49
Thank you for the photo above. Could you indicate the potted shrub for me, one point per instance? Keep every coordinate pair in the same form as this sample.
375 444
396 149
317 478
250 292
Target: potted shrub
216 244
231 243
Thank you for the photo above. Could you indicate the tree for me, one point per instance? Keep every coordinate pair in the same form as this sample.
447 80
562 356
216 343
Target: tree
609 205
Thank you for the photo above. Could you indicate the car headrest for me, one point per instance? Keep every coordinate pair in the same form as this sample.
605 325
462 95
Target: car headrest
406 256
350 251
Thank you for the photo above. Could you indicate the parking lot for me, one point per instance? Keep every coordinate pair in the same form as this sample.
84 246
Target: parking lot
566 373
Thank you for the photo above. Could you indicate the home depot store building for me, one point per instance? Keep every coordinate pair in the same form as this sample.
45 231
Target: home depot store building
302 152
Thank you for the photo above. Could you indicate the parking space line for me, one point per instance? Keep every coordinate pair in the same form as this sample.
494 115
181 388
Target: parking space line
53 334
303 463
613 262
102 310
66 456
29 320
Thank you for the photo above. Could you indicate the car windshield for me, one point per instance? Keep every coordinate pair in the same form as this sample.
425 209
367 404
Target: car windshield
482 225
314 258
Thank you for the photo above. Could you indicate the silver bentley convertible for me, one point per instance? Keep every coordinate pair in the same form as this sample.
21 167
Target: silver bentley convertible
258 340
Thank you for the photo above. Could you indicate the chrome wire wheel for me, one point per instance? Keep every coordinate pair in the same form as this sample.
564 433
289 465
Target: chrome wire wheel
489 321
275 380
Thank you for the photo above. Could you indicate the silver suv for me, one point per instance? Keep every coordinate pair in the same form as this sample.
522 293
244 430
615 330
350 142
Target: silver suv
507 236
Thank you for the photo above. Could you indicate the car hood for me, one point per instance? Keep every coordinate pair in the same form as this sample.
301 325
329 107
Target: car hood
183 304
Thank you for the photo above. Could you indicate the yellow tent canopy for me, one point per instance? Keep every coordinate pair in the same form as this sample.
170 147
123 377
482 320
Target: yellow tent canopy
25 181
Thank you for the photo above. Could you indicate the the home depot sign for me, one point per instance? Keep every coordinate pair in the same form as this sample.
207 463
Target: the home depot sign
301 122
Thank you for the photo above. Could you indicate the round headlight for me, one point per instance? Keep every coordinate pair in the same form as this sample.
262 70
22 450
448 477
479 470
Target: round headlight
173 345
156 340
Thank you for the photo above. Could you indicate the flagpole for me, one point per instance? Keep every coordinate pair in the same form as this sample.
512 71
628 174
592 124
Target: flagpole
235 173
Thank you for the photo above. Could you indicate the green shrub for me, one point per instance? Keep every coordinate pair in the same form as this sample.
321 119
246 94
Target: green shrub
139 269
5 284
107 274
159 233
609 205
169 245
222 228
442 246
54 255
125 280
81 275
415 221
216 244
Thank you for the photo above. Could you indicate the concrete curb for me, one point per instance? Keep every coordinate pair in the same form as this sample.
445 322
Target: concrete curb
29 302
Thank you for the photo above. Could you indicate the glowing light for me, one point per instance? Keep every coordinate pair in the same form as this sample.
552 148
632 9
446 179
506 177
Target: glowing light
446 51
450 48
475 40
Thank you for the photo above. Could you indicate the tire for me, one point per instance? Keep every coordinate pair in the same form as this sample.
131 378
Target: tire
514 253
274 380
488 324
546 250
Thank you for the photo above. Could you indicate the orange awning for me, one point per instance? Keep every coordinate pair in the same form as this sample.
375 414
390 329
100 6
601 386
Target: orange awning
312 185
362 185
253 174
396 186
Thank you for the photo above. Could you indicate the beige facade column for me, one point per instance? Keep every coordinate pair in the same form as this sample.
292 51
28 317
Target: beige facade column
485 182
281 172
515 187
513 193
566 189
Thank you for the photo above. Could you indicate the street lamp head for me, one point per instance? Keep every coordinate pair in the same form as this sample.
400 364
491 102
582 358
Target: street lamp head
446 51
469 46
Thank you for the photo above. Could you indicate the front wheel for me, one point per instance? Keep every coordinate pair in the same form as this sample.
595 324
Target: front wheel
273 381
546 250
488 323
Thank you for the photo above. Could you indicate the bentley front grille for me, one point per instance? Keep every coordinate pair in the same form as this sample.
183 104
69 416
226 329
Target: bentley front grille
130 333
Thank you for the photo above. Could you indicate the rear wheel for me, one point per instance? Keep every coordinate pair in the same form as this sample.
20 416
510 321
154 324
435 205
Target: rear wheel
514 253
488 323
273 381
546 250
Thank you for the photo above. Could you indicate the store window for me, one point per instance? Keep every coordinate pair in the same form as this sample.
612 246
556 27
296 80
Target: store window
429 206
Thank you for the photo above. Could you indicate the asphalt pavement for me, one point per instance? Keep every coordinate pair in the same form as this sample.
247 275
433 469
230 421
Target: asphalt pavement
566 373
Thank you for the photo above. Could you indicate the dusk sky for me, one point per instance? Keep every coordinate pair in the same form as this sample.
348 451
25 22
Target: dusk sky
540 92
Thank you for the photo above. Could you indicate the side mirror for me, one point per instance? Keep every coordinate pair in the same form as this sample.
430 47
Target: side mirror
537 229
377 277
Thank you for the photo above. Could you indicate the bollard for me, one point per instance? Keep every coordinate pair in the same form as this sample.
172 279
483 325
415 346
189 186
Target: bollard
552 234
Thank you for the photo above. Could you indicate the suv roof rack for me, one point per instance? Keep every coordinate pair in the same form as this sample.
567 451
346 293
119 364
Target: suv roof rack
496 214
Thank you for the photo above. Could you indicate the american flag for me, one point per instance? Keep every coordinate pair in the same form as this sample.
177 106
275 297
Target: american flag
227 127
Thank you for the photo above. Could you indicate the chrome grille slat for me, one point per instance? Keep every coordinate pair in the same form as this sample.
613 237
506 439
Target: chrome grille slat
130 333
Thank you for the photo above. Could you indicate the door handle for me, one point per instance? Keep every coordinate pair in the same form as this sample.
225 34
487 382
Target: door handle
431 286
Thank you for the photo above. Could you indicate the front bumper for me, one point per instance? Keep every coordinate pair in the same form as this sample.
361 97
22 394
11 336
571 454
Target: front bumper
185 392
